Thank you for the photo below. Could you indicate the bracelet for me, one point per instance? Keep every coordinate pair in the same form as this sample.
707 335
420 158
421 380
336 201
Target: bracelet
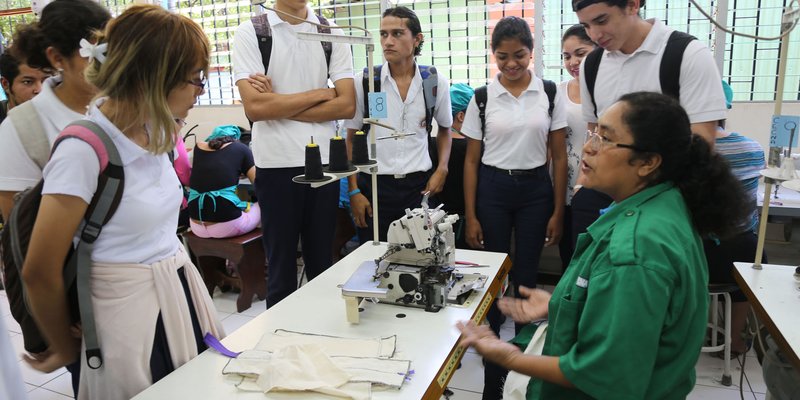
354 192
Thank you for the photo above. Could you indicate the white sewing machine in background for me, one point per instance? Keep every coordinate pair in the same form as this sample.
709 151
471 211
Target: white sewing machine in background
418 268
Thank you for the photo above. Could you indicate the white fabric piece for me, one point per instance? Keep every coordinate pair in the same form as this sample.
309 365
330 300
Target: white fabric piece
301 368
351 390
381 371
334 346
127 299
516 385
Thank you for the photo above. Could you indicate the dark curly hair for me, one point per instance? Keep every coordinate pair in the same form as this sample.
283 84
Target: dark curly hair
62 25
217 143
412 23
659 125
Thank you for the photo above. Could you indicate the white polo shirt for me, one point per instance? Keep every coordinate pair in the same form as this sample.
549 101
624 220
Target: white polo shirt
701 92
576 137
295 66
516 128
409 154
17 171
143 228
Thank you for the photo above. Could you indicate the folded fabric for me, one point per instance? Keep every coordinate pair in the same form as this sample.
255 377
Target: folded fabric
298 368
350 390
381 371
334 346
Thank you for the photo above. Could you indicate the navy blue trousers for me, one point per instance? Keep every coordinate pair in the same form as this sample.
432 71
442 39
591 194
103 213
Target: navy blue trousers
523 203
394 196
292 212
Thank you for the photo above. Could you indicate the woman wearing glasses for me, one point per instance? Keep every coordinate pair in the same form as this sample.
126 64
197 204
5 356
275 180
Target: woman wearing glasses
151 308
627 320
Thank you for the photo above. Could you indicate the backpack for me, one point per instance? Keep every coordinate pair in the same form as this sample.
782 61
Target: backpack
264 37
430 85
669 74
481 97
17 233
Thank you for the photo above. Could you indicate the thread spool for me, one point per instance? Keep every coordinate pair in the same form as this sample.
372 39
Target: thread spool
313 168
338 155
360 149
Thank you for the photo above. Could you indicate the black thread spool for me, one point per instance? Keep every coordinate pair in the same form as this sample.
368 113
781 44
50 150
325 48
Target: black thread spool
360 150
338 155
313 161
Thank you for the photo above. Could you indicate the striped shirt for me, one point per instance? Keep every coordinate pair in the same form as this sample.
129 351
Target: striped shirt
746 158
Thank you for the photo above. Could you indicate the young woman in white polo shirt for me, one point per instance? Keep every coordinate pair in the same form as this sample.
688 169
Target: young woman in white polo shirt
575 45
508 187
151 307
50 43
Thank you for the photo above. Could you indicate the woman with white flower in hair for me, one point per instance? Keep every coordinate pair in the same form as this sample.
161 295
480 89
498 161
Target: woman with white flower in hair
150 306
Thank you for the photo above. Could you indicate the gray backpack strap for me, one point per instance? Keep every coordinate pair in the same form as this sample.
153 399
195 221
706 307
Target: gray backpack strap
104 204
430 85
31 132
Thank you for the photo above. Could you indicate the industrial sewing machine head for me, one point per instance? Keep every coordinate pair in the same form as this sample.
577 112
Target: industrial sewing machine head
417 269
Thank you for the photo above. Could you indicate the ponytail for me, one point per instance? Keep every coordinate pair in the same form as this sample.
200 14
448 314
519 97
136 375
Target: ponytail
715 198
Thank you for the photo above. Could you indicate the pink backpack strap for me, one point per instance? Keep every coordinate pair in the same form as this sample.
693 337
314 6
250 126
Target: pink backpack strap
80 130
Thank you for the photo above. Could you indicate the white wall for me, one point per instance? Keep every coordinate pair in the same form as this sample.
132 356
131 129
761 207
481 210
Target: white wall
209 117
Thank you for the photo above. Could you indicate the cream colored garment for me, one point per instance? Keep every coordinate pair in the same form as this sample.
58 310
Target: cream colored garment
127 299
334 346
516 385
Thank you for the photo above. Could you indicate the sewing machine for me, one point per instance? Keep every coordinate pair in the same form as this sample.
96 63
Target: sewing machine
417 269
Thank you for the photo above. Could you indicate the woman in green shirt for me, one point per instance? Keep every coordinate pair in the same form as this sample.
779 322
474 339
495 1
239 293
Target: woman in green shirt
627 319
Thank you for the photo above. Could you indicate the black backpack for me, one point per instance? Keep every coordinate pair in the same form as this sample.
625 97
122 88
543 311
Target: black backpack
481 97
669 73
264 37
16 236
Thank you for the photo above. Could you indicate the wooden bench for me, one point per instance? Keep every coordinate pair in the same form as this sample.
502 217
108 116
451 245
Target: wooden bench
245 251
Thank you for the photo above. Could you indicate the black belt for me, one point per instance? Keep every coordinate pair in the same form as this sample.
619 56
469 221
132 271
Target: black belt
417 174
516 172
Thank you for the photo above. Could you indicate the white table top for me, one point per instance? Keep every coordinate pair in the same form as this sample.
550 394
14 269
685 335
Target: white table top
775 295
787 202
427 339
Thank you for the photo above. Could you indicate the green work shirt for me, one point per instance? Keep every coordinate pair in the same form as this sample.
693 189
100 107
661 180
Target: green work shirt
628 317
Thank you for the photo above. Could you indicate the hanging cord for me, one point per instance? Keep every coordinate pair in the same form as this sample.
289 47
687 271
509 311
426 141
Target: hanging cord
789 9
316 24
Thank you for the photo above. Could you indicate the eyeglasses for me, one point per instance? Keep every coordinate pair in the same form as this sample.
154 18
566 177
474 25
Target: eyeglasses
199 82
597 142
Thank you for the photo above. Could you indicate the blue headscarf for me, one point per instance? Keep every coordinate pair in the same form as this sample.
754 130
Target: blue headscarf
225 130
460 95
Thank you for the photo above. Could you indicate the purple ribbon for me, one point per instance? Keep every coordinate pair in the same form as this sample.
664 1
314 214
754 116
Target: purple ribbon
214 343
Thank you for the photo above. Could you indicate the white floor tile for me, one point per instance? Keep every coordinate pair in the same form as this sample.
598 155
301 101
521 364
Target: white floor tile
713 393
234 321
470 375
44 394
62 384
463 395
709 372
5 308
36 378
19 345
29 387
755 375
258 307
225 302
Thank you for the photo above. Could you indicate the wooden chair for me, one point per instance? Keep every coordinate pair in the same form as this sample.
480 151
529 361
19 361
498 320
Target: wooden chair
245 251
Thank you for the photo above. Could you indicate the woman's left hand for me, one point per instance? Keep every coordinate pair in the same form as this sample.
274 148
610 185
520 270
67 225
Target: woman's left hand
554 230
487 344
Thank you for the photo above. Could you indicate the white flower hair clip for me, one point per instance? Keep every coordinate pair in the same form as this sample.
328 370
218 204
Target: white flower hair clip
93 51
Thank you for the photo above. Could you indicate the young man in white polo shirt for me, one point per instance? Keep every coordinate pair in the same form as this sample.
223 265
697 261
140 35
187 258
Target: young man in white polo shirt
631 60
297 106
404 164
